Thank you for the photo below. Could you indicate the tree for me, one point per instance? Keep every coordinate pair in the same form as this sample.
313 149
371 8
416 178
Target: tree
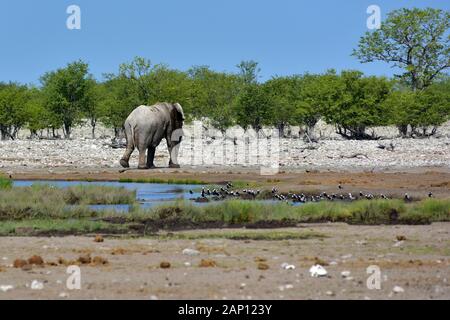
38 116
214 95
249 71
254 107
358 104
12 109
137 72
285 94
119 99
93 108
169 85
67 93
415 40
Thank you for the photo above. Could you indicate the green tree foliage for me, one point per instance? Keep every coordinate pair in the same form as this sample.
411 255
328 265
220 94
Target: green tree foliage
421 111
169 85
13 98
288 106
214 95
249 71
39 117
255 107
67 94
357 103
415 40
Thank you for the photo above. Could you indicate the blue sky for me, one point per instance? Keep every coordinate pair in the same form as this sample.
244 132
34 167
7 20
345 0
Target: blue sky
284 36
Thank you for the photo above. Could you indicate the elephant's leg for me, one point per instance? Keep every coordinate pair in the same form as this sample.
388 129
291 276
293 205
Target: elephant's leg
142 159
151 157
173 153
124 162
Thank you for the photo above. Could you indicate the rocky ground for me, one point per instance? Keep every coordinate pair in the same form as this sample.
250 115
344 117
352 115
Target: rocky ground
237 150
414 262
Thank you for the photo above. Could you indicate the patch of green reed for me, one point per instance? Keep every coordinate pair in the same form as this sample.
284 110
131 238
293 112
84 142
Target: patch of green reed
83 194
5 183
46 201
358 212
66 226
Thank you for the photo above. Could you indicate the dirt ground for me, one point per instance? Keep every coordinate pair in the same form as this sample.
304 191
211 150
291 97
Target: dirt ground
416 182
419 263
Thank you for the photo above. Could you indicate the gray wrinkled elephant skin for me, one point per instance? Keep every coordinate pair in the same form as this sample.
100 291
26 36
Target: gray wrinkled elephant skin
146 126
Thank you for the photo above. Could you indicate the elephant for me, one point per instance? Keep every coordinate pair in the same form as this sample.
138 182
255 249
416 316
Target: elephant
146 126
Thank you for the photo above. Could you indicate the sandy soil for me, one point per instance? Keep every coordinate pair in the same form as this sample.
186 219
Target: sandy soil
420 265
416 182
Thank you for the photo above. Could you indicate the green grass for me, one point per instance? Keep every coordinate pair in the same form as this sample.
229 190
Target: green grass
45 201
247 212
163 181
56 226
269 235
5 183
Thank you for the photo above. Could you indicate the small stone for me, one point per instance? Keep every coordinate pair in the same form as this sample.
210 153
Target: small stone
207 263
398 289
400 238
85 259
317 271
287 266
36 260
63 295
98 238
37 285
330 293
263 266
398 244
6 288
345 274
164 265
190 252
98 261
19 263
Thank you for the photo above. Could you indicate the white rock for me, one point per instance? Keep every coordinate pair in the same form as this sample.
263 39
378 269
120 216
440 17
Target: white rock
398 289
63 295
287 266
191 252
6 288
345 274
398 244
317 271
37 285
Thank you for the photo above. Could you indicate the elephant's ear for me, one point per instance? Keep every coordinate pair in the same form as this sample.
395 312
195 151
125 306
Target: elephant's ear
178 107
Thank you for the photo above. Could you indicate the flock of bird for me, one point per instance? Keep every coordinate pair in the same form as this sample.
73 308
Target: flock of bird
223 193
